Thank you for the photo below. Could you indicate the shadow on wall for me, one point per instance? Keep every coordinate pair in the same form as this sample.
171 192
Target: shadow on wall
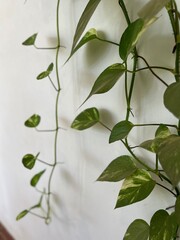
4 235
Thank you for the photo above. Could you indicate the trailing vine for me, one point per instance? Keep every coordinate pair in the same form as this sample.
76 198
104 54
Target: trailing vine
139 178
43 208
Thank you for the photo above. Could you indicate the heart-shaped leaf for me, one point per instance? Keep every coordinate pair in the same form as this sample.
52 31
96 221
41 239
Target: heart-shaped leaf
130 37
172 99
31 40
135 188
84 19
86 119
33 121
29 160
162 131
107 79
118 169
46 73
120 131
36 178
22 214
162 226
137 230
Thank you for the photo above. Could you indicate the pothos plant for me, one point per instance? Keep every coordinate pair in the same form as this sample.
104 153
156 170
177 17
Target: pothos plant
42 208
139 179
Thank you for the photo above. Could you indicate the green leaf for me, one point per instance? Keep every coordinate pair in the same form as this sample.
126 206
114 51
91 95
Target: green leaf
172 99
137 230
130 37
21 215
107 79
120 131
177 210
33 121
31 40
118 169
135 188
162 131
89 36
162 226
169 155
86 119
84 19
36 178
29 160
46 73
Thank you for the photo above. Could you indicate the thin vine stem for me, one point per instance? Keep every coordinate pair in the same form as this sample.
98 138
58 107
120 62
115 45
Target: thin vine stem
166 189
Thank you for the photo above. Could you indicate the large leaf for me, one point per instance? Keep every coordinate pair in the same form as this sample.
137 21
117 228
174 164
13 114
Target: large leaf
130 38
22 214
177 210
135 188
162 226
33 121
84 19
86 119
46 73
31 40
89 36
120 131
172 99
29 160
107 79
137 230
118 169
36 178
169 157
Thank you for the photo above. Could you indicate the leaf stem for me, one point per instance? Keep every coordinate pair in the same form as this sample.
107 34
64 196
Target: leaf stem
52 83
166 189
107 41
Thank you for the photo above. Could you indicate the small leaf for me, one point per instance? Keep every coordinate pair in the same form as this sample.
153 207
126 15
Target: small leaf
169 155
120 131
36 178
30 41
29 160
118 169
162 131
107 79
162 226
137 230
33 121
177 210
86 119
172 99
130 37
89 36
135 188
84 19
46 73
22 214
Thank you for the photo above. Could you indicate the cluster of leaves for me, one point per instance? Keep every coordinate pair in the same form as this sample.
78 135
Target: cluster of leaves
138 179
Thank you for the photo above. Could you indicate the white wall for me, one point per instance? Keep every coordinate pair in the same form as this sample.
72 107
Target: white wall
83 208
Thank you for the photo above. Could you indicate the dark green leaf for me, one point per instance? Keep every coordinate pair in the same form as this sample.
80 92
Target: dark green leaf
172 99
33 121
84 19
86 119
177 210
162 226
36 178
169 155
162 131
107 79
130 37
118 169
29 160
135 188
120 131
46 73
137 230
89 36
22 214
152 145
30 41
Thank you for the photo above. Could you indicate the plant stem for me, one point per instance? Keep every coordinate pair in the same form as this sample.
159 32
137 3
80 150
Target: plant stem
107 41
155 124
52 83
167 189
